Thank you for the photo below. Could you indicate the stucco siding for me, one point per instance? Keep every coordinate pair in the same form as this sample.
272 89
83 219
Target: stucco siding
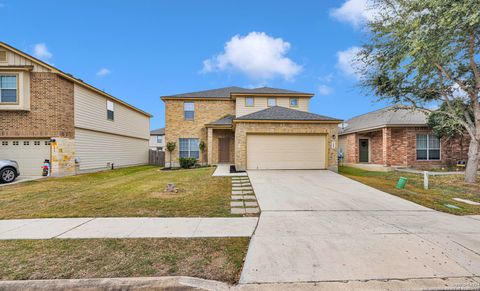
91 113
260 103
95 150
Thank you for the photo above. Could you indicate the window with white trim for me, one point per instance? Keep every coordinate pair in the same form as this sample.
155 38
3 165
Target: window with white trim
189 110
110 110
249 101
159 138
189 148
428 147
8 89
272 101
293 102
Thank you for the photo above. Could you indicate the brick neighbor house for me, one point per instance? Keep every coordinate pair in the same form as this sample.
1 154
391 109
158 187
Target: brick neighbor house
48 114
397 138
262 128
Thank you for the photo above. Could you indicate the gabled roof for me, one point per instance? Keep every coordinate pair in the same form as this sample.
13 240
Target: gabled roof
282 113
160 131
70 77
389 116
227 92
224 121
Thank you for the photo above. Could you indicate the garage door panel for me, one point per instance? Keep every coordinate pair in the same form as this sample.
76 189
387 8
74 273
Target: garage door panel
29 154
286 151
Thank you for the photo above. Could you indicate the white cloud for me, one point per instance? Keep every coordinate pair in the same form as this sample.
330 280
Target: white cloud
41 52
103 72
257 55
347 61
355 12
325 90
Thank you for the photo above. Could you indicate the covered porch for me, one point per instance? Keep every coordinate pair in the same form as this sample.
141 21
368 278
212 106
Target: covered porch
220 147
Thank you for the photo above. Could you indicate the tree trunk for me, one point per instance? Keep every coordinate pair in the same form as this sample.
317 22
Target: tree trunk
472 163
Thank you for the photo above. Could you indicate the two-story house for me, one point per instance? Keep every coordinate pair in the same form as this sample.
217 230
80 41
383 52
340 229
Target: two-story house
157 139
46 114
262 128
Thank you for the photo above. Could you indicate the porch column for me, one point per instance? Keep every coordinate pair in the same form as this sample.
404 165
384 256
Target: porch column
387 145
209 145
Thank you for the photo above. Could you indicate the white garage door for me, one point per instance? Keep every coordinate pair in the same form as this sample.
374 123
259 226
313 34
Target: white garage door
29 154
286 151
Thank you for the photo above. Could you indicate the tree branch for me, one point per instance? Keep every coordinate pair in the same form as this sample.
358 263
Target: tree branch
458 82
473 64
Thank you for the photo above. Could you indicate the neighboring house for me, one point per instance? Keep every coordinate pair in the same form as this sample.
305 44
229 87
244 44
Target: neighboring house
48 114
398 138
262 128
157 139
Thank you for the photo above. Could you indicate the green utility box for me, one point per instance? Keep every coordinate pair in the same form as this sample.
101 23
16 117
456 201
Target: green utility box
401 183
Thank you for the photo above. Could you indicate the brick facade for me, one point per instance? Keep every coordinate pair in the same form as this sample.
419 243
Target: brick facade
242 129
400 148
51 110
206 111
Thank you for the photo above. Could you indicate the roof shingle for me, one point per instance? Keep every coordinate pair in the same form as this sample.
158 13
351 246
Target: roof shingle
283 113
227 91
160 131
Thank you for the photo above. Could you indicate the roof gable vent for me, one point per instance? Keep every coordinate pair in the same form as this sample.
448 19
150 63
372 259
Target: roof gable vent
3 56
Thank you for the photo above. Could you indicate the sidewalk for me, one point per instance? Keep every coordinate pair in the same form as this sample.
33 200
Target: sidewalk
131 227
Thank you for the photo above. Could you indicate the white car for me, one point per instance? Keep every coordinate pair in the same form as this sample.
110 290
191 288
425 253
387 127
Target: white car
9 171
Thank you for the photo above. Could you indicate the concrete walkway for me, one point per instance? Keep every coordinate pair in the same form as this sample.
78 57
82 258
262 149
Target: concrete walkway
318 226
131 227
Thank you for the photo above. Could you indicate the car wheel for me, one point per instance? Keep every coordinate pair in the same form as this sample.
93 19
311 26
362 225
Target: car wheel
7 175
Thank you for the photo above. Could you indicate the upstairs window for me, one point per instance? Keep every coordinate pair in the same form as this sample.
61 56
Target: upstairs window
189 110
189 148
8 89
110 110
272 101
428 147
249 101
293 102
159 138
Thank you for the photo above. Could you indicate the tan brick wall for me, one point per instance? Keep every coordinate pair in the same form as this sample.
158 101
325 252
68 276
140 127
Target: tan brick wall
242 129
352 148
176 127
51 111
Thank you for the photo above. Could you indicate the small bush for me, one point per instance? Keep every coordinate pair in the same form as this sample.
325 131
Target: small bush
187 163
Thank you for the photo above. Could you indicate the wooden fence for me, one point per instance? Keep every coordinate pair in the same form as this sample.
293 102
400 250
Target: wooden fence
156 158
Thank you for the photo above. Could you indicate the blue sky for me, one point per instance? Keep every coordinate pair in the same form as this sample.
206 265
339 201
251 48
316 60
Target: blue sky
141 50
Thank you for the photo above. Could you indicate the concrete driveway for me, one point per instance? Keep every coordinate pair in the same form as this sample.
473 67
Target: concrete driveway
320 226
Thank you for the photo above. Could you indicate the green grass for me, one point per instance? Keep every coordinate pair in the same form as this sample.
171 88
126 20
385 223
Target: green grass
441 189
213 258
133 191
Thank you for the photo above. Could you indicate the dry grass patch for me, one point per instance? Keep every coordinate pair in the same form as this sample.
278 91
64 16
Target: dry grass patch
213 258
442 189
133 191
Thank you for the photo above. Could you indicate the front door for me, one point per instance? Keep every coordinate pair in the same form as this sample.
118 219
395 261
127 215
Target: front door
363 145
223 150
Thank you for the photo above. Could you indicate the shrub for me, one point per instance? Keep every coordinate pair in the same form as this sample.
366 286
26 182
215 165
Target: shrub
187 163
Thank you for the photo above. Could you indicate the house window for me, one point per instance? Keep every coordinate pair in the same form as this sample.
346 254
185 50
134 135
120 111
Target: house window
15 143
26 143
293 102
189 148
189 110
4 143
8 89
272 101
37 143
428 147
110 110
159 138
249 101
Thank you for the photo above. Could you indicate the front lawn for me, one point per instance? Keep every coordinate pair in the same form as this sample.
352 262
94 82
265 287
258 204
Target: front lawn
442 189
213 258
133 191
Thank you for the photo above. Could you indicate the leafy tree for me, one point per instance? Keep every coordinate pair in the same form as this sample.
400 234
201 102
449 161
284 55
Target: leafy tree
171 146
445 126
419 52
